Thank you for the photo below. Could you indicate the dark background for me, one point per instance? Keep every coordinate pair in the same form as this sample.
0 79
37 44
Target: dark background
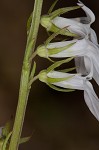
58 121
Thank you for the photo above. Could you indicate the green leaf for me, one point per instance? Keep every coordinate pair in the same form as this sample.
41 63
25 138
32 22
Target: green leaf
53 51
59 89
29 23
58 63
52 6
25 139
61 11
55 80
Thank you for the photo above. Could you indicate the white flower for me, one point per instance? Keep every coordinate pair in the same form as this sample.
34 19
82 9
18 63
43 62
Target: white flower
85 52
73 81
79 26
91 99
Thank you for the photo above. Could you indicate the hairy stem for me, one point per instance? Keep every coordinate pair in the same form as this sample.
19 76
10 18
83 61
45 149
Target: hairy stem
24 90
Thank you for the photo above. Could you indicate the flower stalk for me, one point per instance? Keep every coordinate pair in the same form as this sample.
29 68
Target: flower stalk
25 76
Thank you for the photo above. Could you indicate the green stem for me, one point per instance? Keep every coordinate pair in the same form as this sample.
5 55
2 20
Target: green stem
24 90
33 80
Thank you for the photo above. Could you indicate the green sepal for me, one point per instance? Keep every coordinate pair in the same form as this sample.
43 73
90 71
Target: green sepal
46 22
51 60
67 70
24 140
61 11
44 52
52 6
54 28
59 89
55 80
51 37
53 51
58 63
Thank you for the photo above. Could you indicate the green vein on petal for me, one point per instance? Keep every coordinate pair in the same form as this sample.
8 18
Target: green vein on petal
55 80
61 11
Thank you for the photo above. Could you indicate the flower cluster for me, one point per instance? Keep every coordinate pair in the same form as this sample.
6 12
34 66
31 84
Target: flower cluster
83 48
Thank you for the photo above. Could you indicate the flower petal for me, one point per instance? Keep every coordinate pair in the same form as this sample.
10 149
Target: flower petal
73 26
76 82
93 36
80 65
89 13
79 26
96 75
91 99
78 49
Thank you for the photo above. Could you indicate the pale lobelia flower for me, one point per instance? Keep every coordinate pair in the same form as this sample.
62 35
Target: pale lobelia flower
79 26
61 81
83 49
86 51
